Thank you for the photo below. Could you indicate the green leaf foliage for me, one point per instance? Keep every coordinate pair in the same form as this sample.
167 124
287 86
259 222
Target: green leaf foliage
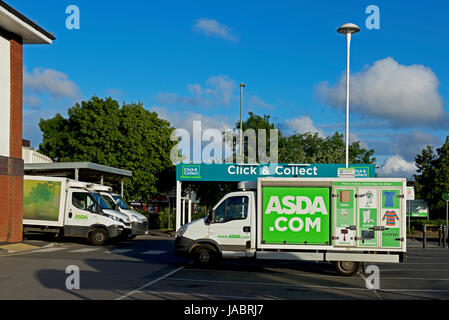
128 137
432 180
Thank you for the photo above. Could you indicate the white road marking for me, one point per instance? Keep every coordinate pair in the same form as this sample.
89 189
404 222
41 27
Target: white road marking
154 252
119 251
304 286
85 250
49 249
206 296
149 284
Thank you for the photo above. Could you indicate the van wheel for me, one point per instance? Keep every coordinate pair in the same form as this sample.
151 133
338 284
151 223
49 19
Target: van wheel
205 255
347 268
98 237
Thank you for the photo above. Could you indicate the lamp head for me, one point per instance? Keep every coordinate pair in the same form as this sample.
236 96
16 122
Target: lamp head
348 28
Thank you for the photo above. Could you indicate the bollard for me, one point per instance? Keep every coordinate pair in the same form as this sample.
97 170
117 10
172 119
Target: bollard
444 236
424 237
440 236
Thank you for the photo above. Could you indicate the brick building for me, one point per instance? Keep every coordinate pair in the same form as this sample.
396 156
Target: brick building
15 31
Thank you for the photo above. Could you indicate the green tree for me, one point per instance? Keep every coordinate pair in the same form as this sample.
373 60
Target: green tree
432 179
311 148
128 137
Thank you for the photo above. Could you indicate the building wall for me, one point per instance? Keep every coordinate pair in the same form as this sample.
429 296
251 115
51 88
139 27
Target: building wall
5 92
32 156
11 163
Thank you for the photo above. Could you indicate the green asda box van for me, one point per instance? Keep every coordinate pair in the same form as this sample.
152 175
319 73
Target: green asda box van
344 221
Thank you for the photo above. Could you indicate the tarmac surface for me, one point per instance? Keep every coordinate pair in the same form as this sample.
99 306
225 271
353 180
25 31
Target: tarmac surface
145 269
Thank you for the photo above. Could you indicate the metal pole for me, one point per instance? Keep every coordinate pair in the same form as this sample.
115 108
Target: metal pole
189 217
348 46
444 236
169 211
121 188
183 221
424 237
241 123
178 204
447 226
409 217
76 174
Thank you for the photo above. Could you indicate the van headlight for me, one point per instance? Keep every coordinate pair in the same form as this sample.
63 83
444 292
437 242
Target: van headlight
110 216
181 231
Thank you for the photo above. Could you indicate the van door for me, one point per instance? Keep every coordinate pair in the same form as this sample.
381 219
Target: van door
344 217
391 218
368 217
80 213
231 224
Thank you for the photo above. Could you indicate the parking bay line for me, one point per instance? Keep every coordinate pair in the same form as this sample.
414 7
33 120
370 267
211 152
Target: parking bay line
153 252
305 287
264 284
119 251
149 283
206 296
52 249
85 250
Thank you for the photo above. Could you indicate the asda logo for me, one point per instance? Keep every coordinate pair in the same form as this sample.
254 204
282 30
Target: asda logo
295 215
298 205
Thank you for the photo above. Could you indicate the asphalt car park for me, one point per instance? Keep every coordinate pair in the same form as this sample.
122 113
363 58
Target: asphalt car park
145 269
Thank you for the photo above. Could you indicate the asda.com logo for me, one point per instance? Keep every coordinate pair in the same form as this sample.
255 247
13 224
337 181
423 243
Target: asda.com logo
299 205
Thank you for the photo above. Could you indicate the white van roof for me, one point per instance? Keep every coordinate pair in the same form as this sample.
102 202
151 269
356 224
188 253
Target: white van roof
99 187
247 185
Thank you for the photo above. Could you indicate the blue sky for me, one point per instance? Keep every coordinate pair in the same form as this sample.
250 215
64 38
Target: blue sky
185 59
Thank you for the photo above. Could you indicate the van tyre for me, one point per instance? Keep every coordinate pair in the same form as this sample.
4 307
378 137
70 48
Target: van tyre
205 255
347 268
98 237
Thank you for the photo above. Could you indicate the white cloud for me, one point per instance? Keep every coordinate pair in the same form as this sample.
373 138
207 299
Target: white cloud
31 101
211 27
259 103
403 95
302 125
54 82
218 90
184 119
397 167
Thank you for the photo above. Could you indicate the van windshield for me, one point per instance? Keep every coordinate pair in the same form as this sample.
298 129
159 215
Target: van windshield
121 203
100 201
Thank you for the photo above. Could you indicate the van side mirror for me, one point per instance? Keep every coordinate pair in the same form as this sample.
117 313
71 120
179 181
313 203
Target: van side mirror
210 217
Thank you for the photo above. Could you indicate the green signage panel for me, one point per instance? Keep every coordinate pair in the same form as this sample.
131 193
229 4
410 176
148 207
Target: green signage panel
295 215
250 172
417 209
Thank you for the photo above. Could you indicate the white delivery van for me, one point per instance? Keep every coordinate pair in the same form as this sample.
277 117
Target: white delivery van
65 207
340 220
139 223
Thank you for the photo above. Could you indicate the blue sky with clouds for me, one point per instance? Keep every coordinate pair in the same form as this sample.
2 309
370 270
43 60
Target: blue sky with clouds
185 60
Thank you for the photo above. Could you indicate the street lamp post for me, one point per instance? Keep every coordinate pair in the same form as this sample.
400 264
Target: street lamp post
242 85
348 29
